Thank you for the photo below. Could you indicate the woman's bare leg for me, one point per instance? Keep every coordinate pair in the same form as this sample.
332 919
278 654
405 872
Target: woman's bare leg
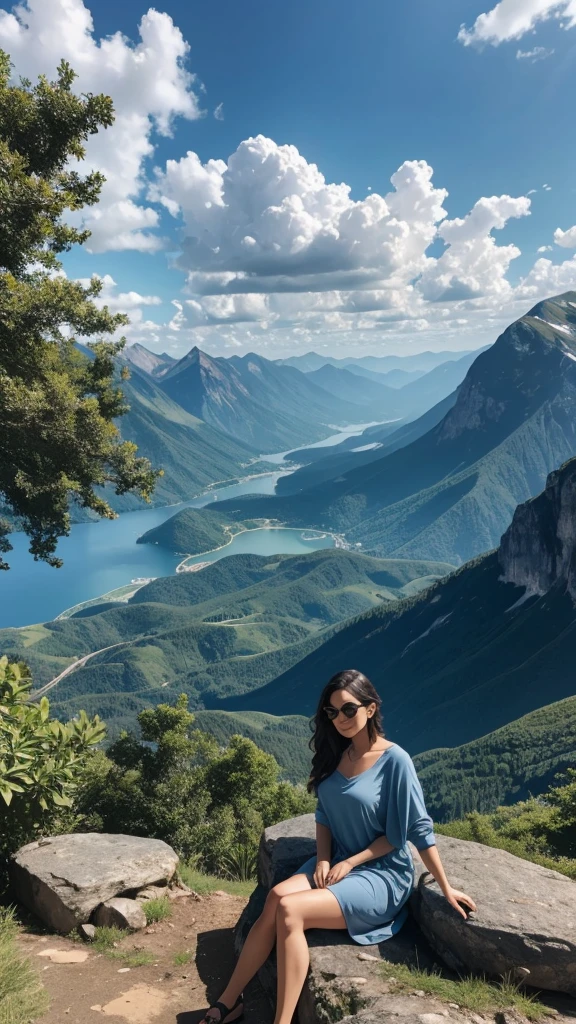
259 941
297 911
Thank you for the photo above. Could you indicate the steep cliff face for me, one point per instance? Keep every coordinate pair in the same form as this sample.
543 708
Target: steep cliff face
538 550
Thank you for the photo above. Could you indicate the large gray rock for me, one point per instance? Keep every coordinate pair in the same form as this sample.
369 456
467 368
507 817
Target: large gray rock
120 912
526 916
64 878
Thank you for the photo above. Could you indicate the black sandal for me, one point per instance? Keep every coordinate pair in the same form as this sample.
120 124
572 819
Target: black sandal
224 1012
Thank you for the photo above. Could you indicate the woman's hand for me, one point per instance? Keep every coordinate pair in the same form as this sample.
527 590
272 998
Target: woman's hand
455 898
339 871
321 873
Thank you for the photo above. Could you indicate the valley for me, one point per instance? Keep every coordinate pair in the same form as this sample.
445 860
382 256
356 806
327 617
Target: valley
344 551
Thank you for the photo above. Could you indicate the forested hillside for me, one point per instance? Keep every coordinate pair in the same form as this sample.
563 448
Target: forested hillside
481 648
233 626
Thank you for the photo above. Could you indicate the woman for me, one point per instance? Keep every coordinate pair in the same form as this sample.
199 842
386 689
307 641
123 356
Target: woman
370 804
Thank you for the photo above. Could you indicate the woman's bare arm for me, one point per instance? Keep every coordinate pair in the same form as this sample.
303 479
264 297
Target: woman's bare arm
431 860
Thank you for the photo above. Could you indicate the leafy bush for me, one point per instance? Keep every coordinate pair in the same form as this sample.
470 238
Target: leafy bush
178 785
542 829
41 760
240 863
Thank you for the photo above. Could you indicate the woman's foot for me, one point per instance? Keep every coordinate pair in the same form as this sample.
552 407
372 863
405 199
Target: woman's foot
218 1013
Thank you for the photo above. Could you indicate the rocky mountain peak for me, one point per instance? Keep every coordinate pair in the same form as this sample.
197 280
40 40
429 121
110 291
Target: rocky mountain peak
539 548
528 365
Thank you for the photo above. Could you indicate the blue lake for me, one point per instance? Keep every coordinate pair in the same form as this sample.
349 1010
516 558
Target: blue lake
98 557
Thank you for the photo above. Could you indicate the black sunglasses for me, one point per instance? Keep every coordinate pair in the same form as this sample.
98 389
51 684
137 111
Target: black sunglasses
349 709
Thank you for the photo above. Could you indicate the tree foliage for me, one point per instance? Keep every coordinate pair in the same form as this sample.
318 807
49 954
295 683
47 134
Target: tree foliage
542 829
58 439
177 784
41 759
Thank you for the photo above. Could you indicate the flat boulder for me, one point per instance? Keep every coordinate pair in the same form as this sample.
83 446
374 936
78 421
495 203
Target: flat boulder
120 912
63 879
525 919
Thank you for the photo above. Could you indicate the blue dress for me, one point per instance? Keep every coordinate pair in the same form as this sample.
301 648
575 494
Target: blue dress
385 799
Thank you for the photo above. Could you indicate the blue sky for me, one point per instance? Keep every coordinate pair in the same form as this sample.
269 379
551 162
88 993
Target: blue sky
358 89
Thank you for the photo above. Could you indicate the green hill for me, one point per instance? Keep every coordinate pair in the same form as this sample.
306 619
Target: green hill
484 646
233 626
191 532
510 764
513 763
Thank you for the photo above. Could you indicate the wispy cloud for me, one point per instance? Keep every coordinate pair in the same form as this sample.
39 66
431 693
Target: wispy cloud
219 112
538 53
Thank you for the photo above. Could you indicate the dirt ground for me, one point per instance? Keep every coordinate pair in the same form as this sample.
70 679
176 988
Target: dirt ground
100 988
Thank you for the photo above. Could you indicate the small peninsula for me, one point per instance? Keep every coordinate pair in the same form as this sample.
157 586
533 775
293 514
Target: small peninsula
192 531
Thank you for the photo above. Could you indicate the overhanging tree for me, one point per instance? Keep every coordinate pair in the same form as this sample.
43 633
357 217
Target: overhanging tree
58 438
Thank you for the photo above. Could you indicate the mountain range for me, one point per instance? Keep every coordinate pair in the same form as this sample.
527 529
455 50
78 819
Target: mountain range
420 362
482 647
262 404
192 453
451 492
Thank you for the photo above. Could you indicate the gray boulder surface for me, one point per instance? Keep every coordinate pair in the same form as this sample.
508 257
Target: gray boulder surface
120 912
526 916
64 878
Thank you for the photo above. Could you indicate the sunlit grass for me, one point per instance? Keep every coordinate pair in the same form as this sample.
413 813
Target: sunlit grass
180 959
204 884
22 997
469 993
157 909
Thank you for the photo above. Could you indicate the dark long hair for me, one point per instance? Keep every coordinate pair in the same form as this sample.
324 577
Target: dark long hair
327 743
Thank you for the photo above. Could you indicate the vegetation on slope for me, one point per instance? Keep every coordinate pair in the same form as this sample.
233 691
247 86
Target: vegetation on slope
451 664
231 627
541 830
513 763
191 453
191 531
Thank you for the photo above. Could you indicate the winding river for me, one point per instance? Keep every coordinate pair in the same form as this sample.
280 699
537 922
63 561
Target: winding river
101 556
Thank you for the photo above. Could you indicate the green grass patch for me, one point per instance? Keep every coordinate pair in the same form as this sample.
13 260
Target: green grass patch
133 957
470 993
205 884
106 941
22 997
157 909
106 938
179 959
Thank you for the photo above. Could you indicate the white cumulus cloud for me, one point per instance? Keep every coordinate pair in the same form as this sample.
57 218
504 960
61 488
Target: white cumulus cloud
267 214
149 85
567 239
512 19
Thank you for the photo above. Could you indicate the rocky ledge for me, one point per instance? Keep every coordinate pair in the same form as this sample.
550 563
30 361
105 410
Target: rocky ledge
524 927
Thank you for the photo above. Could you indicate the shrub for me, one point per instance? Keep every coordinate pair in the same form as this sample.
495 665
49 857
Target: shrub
41 760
